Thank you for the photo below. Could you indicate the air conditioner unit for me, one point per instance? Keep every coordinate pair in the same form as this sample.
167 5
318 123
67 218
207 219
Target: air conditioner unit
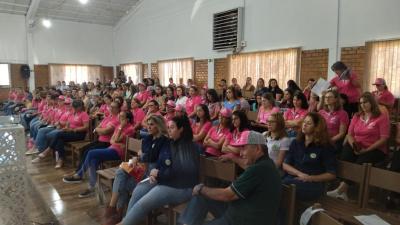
228 30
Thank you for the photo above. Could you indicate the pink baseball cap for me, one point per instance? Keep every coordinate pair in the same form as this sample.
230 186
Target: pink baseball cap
61 98
226 112
68 101
379 81
179 108
250 137
171 103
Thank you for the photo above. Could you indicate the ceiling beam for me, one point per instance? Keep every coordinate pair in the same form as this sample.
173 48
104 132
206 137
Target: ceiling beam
30 15
14 4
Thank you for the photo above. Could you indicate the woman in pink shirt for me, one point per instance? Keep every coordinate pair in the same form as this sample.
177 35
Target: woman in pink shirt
267 108
335 117
97 156
382 94
143 94
214 106
192 102
346 82
294 116
217 134
240 123
366 138
202 125
170 108
138 114
106 107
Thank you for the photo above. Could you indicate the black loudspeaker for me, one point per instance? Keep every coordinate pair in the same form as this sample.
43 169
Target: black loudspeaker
25 71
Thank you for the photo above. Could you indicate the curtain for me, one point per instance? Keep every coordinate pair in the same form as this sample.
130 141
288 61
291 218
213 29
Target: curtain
133 70
279 64
75 73
177 69
5 75
383 61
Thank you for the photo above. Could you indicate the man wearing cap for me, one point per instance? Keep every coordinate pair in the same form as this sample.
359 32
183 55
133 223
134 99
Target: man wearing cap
382 94
253 198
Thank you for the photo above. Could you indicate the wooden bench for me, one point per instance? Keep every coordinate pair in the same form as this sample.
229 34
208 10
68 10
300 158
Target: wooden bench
322 218
252 116
288 204
76 147
105 177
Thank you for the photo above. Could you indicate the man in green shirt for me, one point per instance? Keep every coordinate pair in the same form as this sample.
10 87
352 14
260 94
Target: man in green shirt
252 199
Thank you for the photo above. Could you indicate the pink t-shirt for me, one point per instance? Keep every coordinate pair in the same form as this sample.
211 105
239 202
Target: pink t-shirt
293 114
64 117
78 119
41 106
58 113
384 97
106 122
12 95
347 88
142 96
263 115
138 116
50 113
197 128
334 120
126 131
191 104
232 139
105 109
368 132
216 134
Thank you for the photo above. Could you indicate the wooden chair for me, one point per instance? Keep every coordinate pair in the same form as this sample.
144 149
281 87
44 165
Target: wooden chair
209 168
248 94
288 203
384 180
105 177
76 147
322 218
252 116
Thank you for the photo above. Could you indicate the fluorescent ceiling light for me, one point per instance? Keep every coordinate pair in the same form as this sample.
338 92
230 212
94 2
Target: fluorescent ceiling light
46 23
83 2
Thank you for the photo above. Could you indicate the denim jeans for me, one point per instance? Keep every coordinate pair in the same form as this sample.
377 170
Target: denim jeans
147 197
41 138
91 146
197 209
62 137
93 160
26 117
124 185
34 127
51 137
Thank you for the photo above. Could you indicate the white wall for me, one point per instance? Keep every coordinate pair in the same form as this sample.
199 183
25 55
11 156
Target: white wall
12 39
71 42
170 28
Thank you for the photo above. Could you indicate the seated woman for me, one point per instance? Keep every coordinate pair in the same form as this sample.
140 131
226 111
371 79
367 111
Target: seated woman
277 140
96 156
152 109
310 161
155 150
267 108
231 102
138 113
335 117
287 101
192 102
257 104
382 94
216 135
365 140
274 89
294 116
202 124
105 108
170 110
214 106
240 123
172 185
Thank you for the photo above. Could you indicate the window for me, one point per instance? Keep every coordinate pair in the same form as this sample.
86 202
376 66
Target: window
5 75
134 71
75 73
177 69
383 61
279 64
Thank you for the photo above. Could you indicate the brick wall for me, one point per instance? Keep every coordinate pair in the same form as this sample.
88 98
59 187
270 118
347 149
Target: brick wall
145 70
200 72
355 58
154 70
107 73
42 76
314 64
220 70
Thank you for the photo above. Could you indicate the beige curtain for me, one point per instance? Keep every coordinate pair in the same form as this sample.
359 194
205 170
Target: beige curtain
133 70
75 73
178 68
383 61
5 75
279 64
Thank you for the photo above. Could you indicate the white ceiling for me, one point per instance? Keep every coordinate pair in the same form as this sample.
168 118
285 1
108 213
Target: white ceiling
105 12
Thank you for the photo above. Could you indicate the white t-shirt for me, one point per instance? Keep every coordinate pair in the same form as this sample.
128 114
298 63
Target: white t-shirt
274 146
181 101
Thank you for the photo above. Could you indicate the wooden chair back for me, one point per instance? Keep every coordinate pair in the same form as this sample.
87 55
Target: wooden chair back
252 116
356 173
321 218
382 179
248 94
288 203
132 147
211 167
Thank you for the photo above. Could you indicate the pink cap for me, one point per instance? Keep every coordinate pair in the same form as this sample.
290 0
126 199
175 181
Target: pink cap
68 101
171 103
141 83
226 112
61 97
179 108
379 81
250 137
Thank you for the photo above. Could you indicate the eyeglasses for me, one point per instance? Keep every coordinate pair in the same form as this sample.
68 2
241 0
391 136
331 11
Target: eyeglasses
151 105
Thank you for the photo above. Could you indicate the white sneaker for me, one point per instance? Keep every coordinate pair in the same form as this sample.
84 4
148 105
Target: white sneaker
32 151
36 160
335 194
